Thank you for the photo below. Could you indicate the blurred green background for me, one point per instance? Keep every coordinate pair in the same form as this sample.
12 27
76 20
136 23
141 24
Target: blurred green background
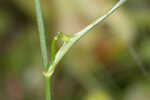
107 64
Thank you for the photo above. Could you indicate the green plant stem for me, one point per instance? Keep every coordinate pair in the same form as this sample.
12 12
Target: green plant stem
75 38
47 88
41 33
43 46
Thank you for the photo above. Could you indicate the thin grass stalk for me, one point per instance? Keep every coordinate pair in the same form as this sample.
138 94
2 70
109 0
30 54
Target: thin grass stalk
49 69
41 30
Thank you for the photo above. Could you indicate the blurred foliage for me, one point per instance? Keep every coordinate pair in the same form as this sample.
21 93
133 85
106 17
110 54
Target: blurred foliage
99 67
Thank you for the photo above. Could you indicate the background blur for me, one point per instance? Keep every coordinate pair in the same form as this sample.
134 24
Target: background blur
107 64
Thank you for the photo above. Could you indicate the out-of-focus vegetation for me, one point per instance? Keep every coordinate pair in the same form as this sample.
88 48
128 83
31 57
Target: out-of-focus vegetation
100 67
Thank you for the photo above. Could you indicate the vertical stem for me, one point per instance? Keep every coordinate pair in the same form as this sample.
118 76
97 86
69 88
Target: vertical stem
41 30
47 88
